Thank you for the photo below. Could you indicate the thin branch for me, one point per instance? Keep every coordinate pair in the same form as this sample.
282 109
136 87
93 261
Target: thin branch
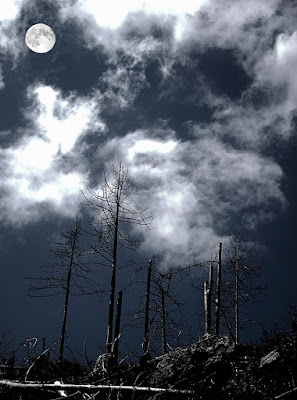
45 351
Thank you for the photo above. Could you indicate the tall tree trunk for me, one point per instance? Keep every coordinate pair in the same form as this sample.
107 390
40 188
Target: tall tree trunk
206 317
218 291
74 238
237 298
113 277
210 285
147 307
207 300
117 327
164 348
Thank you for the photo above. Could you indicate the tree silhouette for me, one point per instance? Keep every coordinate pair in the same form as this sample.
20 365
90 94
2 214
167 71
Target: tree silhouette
68 275
111 227
243 268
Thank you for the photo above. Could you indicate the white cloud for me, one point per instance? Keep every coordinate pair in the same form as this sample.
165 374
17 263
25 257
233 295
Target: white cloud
9 9
62 121
127 32
151 146
265 110
278 67
128 27
243 26
123 86
112 14
10 41
195 190
34 171
250 126
204 22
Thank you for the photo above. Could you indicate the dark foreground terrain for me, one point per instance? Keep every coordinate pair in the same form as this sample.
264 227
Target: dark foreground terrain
213 368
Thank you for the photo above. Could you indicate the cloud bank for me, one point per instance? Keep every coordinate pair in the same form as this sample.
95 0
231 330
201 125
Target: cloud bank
201 178
195 190
41 171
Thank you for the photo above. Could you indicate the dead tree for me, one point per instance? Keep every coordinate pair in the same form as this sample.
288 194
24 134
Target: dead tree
68 275
163 321
73 244
57 386
208 299
237 294
147 306
111 225
218 292
158 312
117 328
243 278
164 303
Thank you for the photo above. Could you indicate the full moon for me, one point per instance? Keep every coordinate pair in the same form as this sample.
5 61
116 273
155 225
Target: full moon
40 38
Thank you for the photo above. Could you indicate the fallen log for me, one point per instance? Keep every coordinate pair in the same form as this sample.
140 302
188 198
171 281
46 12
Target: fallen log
68 386
288 393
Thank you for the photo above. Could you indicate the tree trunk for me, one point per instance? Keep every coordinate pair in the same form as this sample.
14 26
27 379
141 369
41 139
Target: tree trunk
147 307
113 278
70 386
210 284
237 298
164 347
117 327
218 291
206 317
207 300
74 238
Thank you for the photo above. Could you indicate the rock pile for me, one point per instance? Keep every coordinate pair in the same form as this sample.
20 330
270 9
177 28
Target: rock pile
215 368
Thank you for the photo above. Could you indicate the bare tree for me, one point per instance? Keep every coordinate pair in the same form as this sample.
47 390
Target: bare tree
243 277
218 292
163 321
111 227
147 306
163 304
117 329
159 312
68 275
207 300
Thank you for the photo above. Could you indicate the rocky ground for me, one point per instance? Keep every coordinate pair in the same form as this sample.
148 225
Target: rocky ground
213 368
216 368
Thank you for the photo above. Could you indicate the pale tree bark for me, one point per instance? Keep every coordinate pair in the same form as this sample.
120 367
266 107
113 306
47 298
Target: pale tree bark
207 300
69 386
218 291
206 326
113 277
117 328
147 308
210 289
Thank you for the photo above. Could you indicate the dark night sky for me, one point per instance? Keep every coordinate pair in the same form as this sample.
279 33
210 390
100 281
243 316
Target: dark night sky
197 98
